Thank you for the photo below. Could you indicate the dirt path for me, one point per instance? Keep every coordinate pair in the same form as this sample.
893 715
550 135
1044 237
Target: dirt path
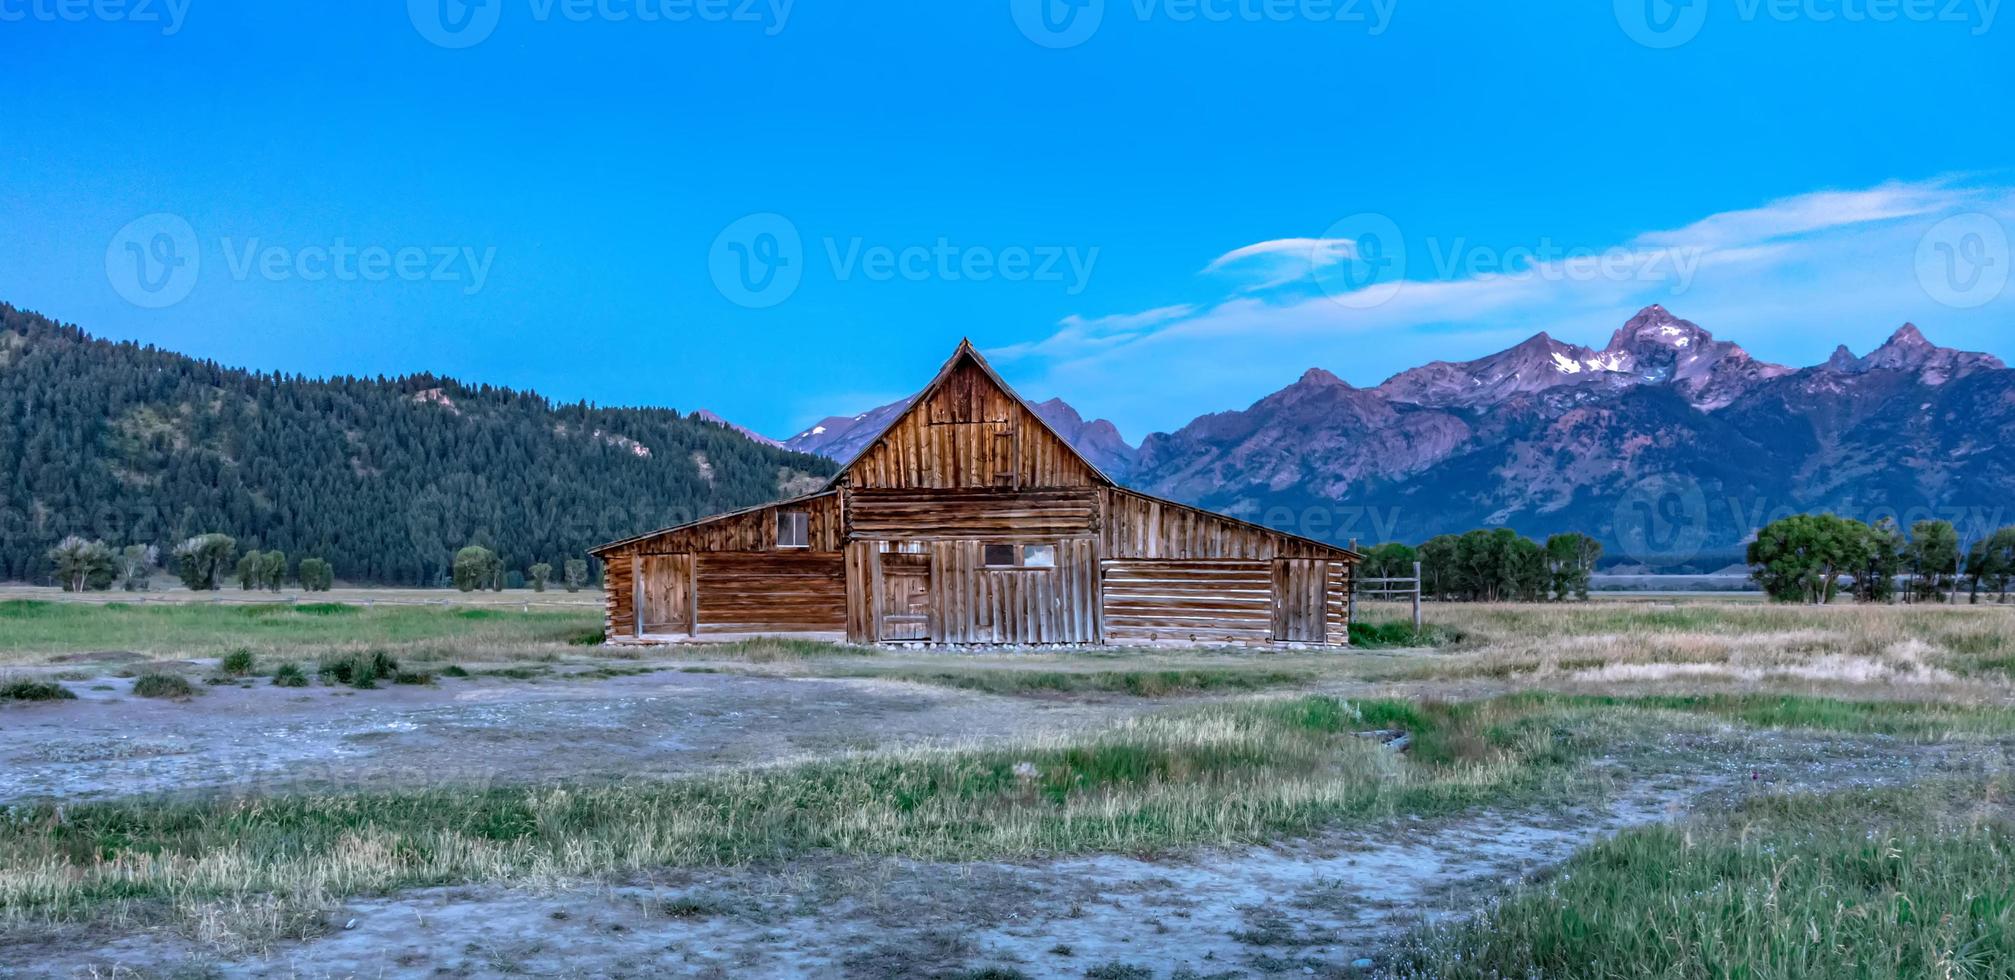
473 732
1324 906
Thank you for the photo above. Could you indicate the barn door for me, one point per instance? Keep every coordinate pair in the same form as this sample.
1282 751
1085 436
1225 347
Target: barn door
1300 606
664 594
904 597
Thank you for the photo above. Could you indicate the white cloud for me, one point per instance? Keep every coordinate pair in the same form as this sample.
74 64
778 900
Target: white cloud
1281 261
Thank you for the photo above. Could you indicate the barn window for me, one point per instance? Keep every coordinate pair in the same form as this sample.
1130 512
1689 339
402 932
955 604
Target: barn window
1000 555
1020 556
794 529
1038 556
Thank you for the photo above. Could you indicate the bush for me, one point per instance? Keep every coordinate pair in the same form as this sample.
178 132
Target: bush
237 663
359 670
159 685
25 690
290 675
412 677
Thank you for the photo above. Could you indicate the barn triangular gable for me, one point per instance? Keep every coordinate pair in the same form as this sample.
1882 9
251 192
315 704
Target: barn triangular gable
968 430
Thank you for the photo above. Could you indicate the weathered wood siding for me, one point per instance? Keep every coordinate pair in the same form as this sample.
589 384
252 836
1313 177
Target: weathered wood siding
1138 526
771 592
665 593
743 531
971 603
969 432
1342 577
1187 600
990 515
1300 600
618 593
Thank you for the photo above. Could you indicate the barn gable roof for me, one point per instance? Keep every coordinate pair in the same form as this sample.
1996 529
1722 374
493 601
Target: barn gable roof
965 354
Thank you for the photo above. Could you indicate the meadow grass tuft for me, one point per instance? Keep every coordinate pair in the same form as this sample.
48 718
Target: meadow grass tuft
237 663
32 690
160 685
1871 884
290 674
361 670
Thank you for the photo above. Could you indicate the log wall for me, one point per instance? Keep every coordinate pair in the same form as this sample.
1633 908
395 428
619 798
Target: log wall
1136 526
771 592
1182 600
980 515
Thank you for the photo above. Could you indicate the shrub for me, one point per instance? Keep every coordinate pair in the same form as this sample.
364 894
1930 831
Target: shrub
455 670
26 690
412 677
158 685
290 675
359 670
237 663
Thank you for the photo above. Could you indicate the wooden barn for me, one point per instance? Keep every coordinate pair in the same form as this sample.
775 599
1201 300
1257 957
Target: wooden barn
970 522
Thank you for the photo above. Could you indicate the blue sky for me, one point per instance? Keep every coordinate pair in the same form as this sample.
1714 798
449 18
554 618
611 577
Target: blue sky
781 210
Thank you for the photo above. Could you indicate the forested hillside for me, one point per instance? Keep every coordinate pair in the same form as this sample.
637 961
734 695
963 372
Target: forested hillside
384 478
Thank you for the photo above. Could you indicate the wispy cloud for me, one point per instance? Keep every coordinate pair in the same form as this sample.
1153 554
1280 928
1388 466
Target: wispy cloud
1270 264
1789 278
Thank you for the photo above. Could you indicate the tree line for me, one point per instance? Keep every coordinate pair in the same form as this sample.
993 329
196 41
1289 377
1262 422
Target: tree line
1496 565
1811 557
384 478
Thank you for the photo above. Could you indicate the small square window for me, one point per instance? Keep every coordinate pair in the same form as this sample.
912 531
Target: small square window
794 529
1000 555
1038 556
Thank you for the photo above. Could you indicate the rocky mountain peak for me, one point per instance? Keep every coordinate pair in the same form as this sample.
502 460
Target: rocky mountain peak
1908 350
1316 377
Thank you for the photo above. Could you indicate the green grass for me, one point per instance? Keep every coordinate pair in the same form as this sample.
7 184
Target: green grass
1863 884
37 629
1226 774
1902 719
290 674
1400 634
27 690
158 685
1137 683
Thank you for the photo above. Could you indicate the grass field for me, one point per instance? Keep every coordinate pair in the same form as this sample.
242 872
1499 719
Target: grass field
1499 710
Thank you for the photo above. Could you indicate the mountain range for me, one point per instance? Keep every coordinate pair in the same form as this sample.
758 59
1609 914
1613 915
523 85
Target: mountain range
1668 444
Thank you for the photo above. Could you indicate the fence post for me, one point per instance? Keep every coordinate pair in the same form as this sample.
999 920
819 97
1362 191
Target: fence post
1416 599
